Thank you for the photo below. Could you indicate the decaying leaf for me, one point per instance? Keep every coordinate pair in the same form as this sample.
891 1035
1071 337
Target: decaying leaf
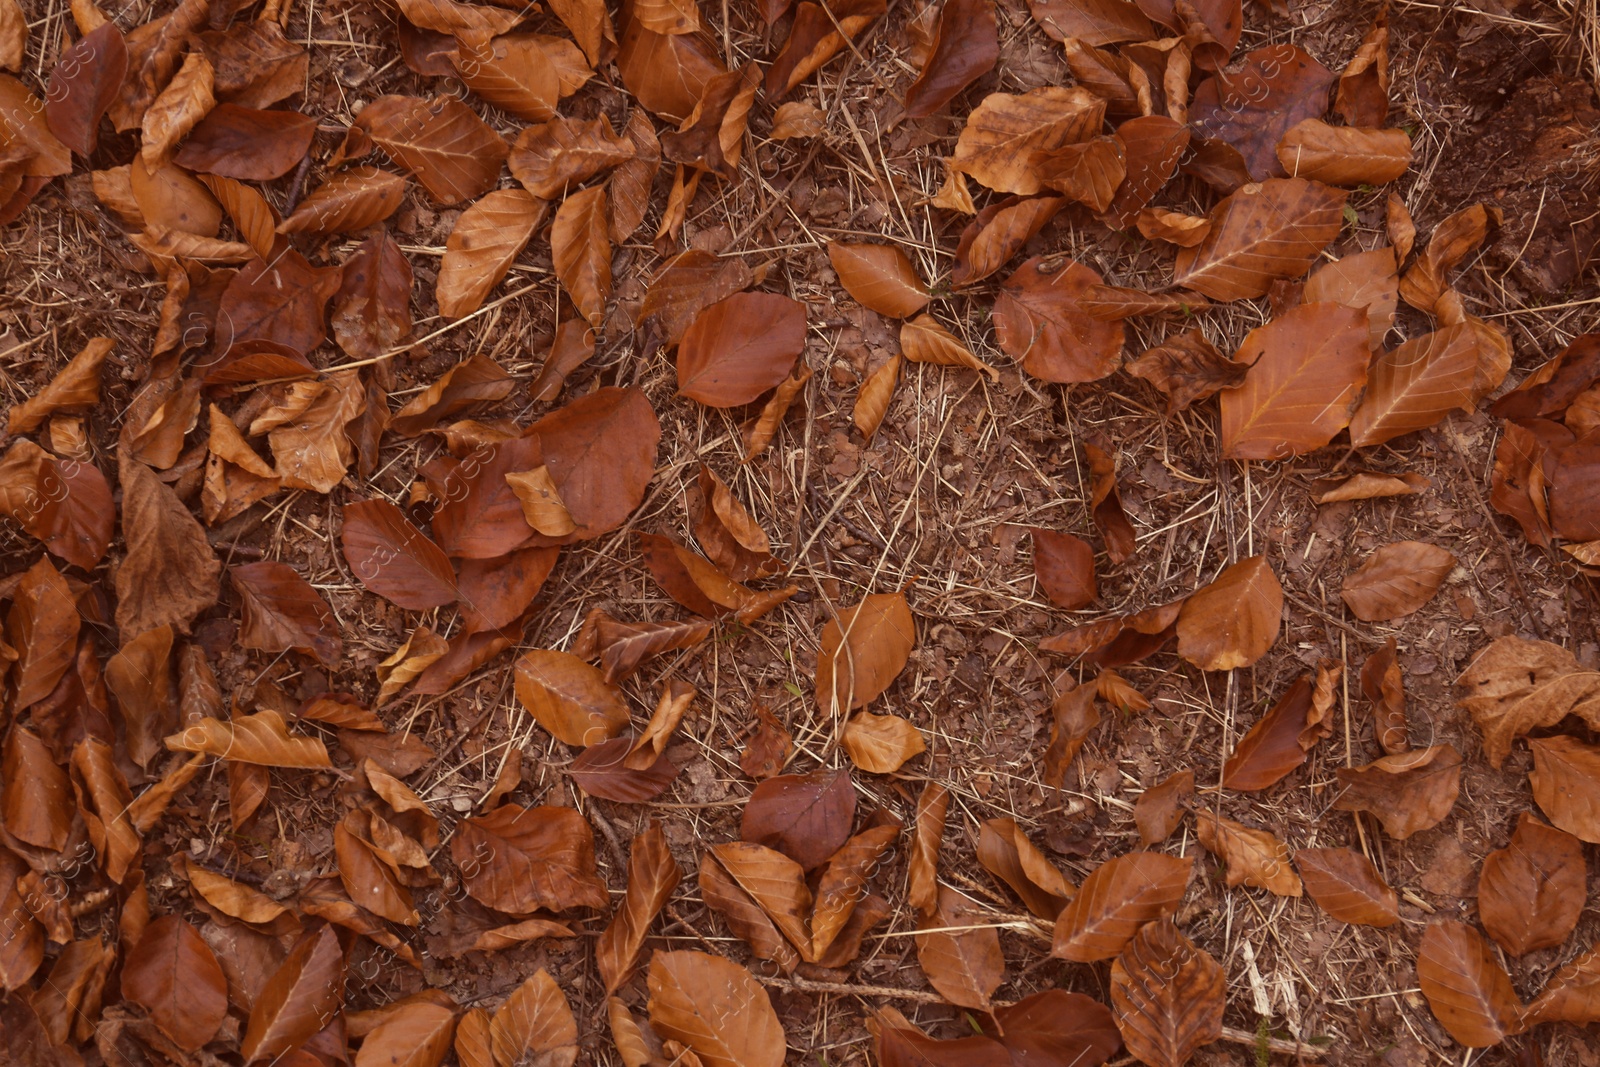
1514 685
1347 886
1168 994
1531 892
1396 580
1566 784
1253 857
1408 792
1119 897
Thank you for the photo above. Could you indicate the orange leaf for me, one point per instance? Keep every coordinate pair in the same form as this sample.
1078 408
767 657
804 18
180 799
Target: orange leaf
304 992
1253 857
1469 992
513 72
652 876
1234 620
1279 741
1347 886
1262 232
487 238
716 1008
262 739
740 347
1158 810
1038 320
580 244
1064 568
863 649
1007 137
1120 896
569 698
1566 784
1396 580
965 966
881 744
519 860
246 143
1344 155
924 340
879 277
173 974
1168 994
1531 892
535 1025
444 144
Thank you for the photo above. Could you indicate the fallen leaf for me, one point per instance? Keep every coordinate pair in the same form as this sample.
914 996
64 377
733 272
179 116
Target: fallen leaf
1415 385
863 649
1369 485
739 347
1261 232
1383 685
652 876
1188 368
1159 809
1039 321
1307 367
572 347
36 798
1105 501
924 340
1514 685
535 1025
1073 716
177 109
372 310
552 158
1566 784
246 143
1096 22
881 744
1053 1027
519 860
747 918
768 747
370 875
173 974
569 698
601 451
255 65
347 202
393 558
1007 137
1531 892
1090 172
1457 237
631 184
1518 482
580 244
1119 641
479 515
1347 886
1252 857
600 771
305 991
879 277
140 676
416 1034
816 36
22 949
104 799
281 301
843 884
170 573
443 143
776 883
760 431
1363 280
1344 155
1407 793
283 612
1282 738
1234 620
1152 146
262 739
959 954
487 238
1572 995
965 48
1063 565
806 817
666 72
457 19
513 72
716 1008
83 84
1396 580
999 232
1467 989
730 536
797 119
1253 107
1168 994
1362 97
1005 852
1119 897
1173 227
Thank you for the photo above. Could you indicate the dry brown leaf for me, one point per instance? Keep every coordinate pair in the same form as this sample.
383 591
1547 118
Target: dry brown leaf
1572 995
1408 792
964 47
1531 892
1415 385
1396 580
1173 227
1363 93
580 243
1347 886
1384 686
998 232
1253 857
1159 809
881 744
170 572
1514 685
1090 172
744 916
452 152
1566 784
513 72
1234 620
1063 565
1281 739
542 508
739 347
716 1008
177 110
1262 232
1344 155
1006 137
879 277
863 649
535 1025
1119 897
1457 237
924 340
1040 321
1368 485
1168 994
1307 367
569 698
1073 716
559 155
479 252
519 860
798 118
806 817
262 739
959 953
652 876
173 974
1469 991
1005 852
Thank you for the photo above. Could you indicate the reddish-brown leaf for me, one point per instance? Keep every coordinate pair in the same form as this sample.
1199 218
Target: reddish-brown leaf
1168 994
281 301
1073 716
1531 892
393 558
863 650
964 965
600 771
370 875
372 310
487 237
1096 22
768 747
1572 996
1280 740
666 72
36 797
1566 784
443 143
1234 620
1120 896
1104 500
746 917
1252 108
1383 685
1064 567
1415 385
1262 232
998 232
1159 809
1252 857
513 72
474 381
481 516
170 572
716 1008
255 65
569 698
283 612
1038 321
580 242
83 83
559 155
965 48
304 992
1409 792
519 860
1090 172
244 143
1347 886
816 36
1188 368
601 451
879 277
806 817
1007 138
1005 852
1344 155
652 876
1396 580
1152 145
535 1026
493 592
1307 368
740 347
1515 685
924 340
412 1034
1469 991
22 946
348 201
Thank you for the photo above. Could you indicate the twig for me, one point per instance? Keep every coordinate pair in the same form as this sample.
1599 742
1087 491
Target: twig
807 985
1275 1045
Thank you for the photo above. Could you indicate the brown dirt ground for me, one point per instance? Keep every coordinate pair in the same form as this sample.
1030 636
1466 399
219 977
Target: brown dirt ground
939 502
